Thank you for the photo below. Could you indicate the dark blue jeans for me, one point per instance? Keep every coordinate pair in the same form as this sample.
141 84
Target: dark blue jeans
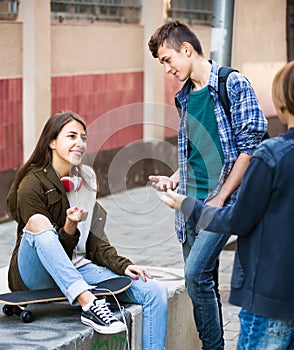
201 251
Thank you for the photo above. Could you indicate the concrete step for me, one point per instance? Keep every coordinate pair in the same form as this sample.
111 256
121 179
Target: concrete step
58 326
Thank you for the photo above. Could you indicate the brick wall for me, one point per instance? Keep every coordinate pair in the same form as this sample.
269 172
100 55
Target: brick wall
11 148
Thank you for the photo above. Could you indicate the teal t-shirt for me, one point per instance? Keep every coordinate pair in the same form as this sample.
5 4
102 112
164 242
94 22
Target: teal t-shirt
205 155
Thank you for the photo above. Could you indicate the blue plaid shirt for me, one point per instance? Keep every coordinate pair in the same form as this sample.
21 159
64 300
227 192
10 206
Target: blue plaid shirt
241 135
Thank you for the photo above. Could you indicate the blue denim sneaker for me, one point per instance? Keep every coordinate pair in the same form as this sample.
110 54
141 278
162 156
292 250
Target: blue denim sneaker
101 318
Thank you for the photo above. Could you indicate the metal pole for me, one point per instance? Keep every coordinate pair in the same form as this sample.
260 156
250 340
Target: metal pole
222 31
290 30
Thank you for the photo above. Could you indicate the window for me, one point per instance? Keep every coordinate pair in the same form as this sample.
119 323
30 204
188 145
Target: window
8 9
127 11
191 11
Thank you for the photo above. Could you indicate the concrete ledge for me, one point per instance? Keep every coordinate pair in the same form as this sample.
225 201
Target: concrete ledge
58 326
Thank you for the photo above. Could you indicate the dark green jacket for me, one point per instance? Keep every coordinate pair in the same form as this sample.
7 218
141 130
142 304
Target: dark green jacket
41 192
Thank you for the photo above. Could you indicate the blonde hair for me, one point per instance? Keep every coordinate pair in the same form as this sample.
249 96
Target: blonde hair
283 88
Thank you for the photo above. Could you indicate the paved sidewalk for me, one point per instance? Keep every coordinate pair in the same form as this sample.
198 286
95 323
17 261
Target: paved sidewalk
142 228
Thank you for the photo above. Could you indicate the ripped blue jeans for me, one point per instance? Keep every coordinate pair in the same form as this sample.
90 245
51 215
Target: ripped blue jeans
43 263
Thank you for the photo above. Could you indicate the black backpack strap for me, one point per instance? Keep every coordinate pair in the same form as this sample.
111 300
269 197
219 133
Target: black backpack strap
223 74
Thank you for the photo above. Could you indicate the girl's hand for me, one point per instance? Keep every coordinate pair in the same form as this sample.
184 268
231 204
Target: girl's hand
134 271
76 215
73 217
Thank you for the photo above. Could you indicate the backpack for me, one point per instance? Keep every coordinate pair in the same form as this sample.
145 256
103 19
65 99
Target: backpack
223 74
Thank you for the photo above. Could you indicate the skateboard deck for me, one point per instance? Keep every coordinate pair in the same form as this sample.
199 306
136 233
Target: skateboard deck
14 300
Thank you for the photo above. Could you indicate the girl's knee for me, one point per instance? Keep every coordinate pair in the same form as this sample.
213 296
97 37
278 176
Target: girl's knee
37 223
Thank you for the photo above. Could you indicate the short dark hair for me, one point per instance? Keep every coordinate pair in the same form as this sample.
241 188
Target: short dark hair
174 33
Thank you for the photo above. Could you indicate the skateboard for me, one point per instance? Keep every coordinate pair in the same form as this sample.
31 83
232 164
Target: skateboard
15 302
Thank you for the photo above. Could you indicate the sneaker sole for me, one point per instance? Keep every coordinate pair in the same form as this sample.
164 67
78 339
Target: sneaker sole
103 329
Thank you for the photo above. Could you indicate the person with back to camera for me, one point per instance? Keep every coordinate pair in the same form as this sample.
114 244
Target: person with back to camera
262 217
61 239
213 154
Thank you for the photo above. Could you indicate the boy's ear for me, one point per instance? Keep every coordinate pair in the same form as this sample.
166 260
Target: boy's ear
187 47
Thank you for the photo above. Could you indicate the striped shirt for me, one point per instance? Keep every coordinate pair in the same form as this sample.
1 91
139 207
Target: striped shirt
240 135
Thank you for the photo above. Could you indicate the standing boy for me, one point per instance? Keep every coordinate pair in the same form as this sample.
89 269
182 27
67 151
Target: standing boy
213 154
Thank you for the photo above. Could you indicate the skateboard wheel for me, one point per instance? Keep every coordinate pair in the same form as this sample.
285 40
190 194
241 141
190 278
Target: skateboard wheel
26 316
7 310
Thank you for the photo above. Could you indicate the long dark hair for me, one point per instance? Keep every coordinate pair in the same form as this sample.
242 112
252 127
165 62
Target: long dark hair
42 154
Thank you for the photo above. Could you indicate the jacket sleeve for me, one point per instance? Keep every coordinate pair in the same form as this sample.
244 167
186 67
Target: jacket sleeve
99 250
248 210
31 200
